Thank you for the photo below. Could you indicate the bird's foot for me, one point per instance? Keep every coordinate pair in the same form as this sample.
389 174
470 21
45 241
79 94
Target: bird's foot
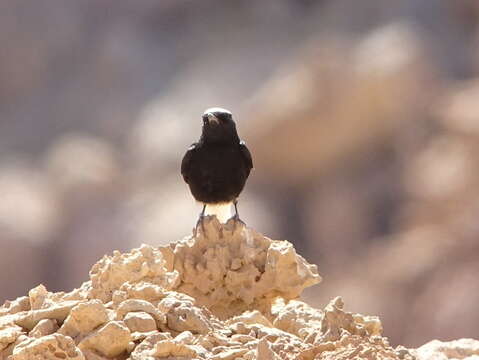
237 221
199 223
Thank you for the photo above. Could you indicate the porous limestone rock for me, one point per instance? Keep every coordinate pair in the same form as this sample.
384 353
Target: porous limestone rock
227 294
230 268
143 264
8 334
50 347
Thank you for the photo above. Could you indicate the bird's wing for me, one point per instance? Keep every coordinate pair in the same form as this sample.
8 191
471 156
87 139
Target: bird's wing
246 156
186 162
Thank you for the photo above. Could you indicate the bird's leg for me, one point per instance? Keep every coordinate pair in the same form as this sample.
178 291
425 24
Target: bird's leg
200 221
236 215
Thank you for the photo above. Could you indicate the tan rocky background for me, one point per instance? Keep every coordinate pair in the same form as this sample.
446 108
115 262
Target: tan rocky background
362 118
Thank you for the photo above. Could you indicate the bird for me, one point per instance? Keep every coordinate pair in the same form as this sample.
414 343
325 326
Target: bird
217 166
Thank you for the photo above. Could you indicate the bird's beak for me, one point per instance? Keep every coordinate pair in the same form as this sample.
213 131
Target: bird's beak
212 119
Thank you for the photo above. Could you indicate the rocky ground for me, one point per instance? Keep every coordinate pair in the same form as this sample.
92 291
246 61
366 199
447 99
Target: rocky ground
229 293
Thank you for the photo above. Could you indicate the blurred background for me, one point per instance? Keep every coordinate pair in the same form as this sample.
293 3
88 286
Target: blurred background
362 118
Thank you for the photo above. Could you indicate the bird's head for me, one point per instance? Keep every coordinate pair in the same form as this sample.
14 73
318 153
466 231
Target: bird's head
218 126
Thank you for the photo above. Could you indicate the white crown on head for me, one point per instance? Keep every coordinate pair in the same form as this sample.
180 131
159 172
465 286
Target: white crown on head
216 109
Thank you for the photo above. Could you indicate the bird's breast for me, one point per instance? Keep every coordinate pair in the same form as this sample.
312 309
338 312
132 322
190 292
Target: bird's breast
218 174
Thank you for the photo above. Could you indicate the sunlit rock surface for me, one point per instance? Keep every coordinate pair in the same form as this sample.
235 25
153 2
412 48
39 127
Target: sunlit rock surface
228 293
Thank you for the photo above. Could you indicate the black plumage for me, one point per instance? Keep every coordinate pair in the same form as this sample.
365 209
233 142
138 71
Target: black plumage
217 166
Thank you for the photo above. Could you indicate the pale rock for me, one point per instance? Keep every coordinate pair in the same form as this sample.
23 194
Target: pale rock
210 273
132 305
43 328
140 322
250 355
37 297
40 298
141 290
59 312
84 318
297 317
140 336
137 305
9 349
356 347
50 347
6 352
92 355
230 354
336 322
165 348
143 350
15 306
464 349
182 314
208 341
8 335
227 294
186 337
264 351
372 324
217 342
242 339
131 345
250 317
173 300
110 340
143 264
187 318
287 346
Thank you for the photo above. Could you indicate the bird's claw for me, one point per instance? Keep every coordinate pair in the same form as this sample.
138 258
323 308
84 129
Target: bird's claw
199 223
236 218
237 221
